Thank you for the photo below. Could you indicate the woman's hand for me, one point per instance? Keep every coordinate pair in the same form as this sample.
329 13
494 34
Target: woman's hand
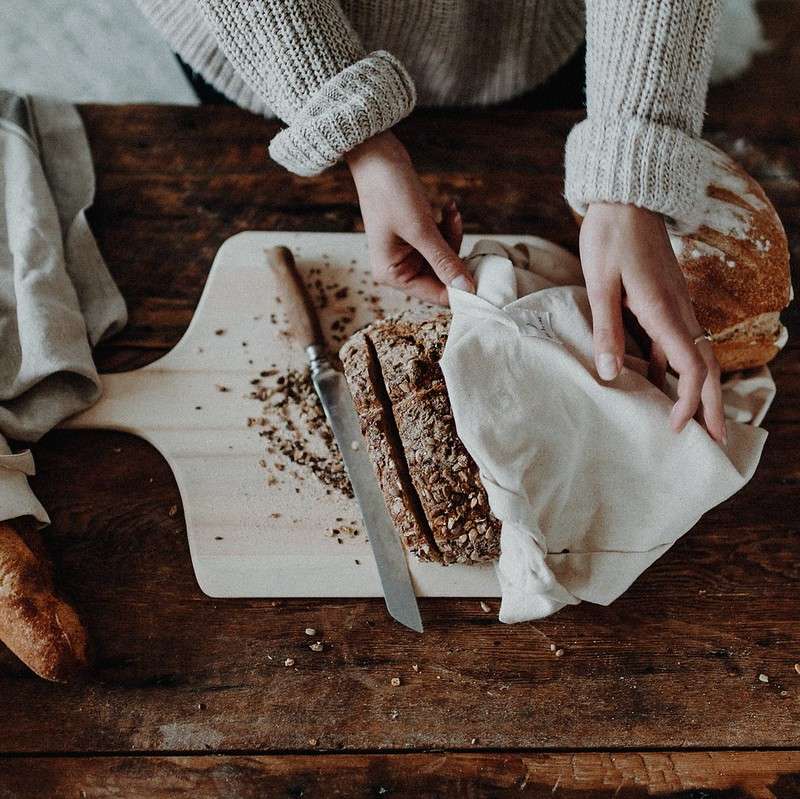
407 248
627 258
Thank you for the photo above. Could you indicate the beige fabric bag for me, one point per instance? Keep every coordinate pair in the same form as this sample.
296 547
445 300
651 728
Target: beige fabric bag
590 483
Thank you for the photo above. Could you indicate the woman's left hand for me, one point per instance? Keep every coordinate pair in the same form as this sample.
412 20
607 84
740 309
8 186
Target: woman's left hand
627 258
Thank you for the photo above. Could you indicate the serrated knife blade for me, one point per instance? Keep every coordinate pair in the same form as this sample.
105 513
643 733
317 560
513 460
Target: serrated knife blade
334 394
390 559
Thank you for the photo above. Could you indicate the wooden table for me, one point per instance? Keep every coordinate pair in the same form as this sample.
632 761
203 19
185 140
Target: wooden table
658 693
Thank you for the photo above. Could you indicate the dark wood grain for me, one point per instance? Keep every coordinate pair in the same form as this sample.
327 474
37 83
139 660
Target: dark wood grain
674 663
601 775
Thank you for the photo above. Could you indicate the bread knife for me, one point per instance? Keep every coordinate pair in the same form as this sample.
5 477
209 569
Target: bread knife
334 394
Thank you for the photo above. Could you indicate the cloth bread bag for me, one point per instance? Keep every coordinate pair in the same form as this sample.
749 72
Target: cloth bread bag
588 479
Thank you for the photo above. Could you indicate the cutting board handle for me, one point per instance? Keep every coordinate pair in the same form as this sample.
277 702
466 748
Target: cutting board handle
303 322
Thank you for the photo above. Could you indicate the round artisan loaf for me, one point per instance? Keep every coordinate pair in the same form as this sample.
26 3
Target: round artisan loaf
736 264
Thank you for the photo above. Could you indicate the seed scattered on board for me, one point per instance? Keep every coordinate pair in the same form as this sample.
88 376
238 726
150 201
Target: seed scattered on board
797 667
763 678
395 681
559 653
310 631
484 607
288 662
316 647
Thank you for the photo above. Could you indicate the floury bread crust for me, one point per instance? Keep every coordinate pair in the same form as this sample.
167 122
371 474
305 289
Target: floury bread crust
429 481
736 264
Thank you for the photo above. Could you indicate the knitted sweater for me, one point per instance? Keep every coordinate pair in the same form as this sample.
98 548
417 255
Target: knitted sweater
340 72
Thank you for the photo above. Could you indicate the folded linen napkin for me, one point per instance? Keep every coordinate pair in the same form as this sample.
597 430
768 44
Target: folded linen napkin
590 483
57 298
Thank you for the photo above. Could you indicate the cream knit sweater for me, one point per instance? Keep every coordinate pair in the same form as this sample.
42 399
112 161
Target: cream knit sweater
339 72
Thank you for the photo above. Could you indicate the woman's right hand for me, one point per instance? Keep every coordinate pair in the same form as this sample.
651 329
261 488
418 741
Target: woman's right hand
408 249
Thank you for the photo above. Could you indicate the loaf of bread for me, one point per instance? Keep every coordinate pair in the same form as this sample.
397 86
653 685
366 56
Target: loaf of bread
39 627
736 264
431 484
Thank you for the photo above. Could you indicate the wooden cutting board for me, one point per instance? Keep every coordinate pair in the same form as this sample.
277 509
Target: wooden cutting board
259 524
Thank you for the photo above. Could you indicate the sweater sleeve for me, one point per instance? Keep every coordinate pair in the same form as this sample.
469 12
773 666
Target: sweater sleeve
647 71
307 63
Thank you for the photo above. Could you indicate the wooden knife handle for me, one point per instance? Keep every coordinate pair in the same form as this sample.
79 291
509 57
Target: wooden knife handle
301 314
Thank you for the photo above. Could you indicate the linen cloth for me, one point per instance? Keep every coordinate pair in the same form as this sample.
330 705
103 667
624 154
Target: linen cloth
57 298
588 479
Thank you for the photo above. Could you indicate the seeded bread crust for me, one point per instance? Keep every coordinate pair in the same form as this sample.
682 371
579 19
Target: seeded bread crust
400 394
360 365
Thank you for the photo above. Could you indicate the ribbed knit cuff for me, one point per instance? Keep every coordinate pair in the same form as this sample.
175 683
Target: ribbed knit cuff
638 162
366 98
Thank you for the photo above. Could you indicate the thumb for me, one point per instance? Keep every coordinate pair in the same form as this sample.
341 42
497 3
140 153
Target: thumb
446 265
605 300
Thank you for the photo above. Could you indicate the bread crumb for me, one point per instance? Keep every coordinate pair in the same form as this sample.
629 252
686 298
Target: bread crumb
220 332
763 678
316 647
395 681
484 607
288 662
310 631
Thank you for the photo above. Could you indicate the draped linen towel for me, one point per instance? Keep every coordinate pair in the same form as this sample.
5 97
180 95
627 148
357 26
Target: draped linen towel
589 481
57 298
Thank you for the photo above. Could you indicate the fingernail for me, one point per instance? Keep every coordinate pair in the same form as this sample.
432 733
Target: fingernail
672 416
463 283
724 434
607 366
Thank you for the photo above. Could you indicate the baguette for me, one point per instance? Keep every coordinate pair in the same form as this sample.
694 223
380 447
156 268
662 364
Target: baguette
40 628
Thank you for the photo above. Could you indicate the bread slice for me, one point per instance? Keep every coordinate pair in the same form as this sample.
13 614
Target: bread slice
392 368
362 372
